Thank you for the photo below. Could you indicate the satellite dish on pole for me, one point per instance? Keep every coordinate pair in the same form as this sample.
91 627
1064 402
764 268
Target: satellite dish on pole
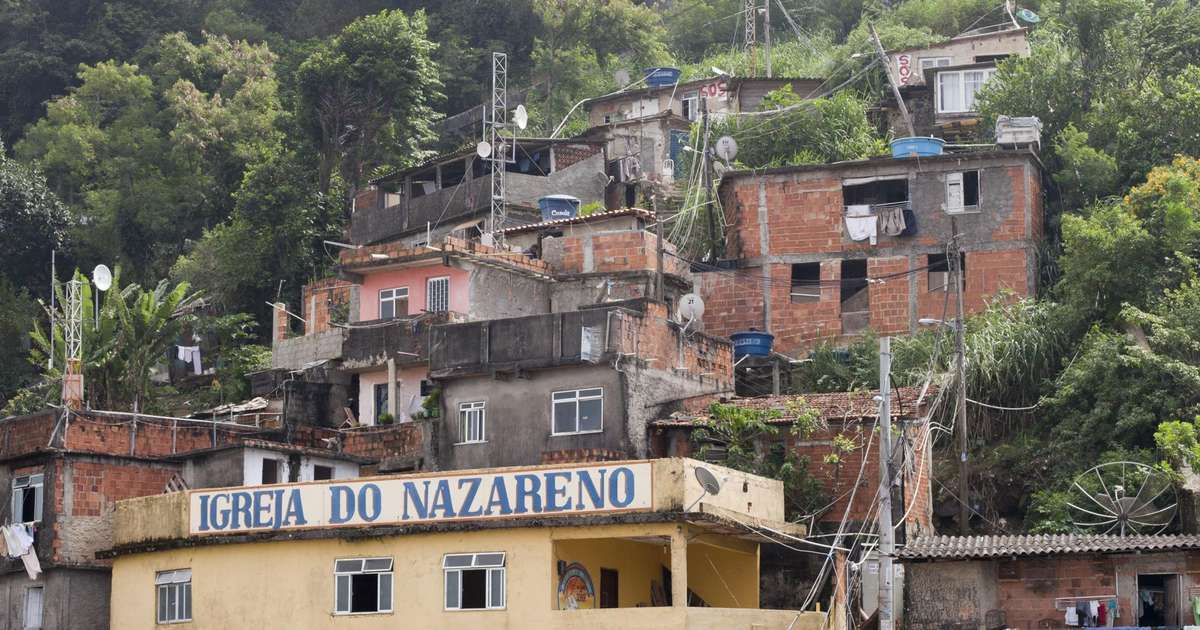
727 148
483 149
102 277
521 117
708 482
691 307
1125 498
1028 16
621 77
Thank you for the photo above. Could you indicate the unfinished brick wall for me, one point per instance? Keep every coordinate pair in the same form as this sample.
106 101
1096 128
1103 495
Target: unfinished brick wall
582 456
663 345
628 250
320 299
796 216
1027 587
399 440
567 155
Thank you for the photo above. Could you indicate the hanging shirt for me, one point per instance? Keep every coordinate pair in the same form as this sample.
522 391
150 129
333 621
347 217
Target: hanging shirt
891 220
1072 618
191 354
861 224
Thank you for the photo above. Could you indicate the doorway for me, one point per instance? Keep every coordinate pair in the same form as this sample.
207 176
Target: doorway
608 588
1157 599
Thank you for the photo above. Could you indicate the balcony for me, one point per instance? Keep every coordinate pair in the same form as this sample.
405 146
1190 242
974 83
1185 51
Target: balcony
537 341
405 341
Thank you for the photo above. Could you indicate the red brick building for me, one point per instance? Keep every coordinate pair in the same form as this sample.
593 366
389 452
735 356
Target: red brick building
847 419
800 275
63 478
1030 582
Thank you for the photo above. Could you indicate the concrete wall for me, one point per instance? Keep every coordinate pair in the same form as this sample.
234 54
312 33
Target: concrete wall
496 294
259 584
72 599
408 390
415 279
937 595
519 418
218 469
797 216
294 353
961 50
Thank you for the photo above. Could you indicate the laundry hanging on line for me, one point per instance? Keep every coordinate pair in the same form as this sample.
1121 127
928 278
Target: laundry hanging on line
861 224
191 354
18 543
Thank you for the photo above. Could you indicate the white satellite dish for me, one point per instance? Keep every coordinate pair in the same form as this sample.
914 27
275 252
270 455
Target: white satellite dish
691 307
483 149
621 77
102 277
521 117
727 148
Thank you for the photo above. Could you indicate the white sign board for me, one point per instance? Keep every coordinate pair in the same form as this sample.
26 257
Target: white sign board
590 489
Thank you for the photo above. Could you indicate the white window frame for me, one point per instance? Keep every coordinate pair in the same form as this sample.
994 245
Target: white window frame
444 305
345 568
961 106
576 398
456 563
393 295
690 102
23 484
472 418
32 618
925 63
178 582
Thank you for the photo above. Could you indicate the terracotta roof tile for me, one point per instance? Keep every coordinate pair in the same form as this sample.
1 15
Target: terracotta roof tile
968 547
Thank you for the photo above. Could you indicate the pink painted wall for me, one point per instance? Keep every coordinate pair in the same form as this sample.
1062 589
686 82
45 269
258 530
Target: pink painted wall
414 278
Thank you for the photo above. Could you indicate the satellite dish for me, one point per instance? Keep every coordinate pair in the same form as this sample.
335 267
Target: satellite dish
1028 16
102 278
691 307
727 148
708 481
1125 498
483 149
521 117
621 77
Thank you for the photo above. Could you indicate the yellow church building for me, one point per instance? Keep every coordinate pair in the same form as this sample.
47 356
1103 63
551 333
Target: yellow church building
658 544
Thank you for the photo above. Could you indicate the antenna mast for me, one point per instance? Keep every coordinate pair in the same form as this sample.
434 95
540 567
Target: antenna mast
72 393
750 13
497 121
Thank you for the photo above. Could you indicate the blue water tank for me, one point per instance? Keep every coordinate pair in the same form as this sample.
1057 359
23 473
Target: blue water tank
752 342
558 207
918 146
661 77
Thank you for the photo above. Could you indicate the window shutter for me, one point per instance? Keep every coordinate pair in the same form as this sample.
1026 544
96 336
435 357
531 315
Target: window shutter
954 192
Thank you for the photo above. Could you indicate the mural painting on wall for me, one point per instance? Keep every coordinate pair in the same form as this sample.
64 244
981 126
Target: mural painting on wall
575 589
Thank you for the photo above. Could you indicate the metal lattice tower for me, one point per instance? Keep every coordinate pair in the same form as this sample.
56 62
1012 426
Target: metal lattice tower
73 322
497 121
749 13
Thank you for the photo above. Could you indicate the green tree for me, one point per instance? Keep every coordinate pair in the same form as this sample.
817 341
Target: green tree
367 96
33 223
17 312
121 346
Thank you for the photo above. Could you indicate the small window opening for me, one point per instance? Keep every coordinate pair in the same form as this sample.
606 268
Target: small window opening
453 173
876 193
322 473
806 282
939 271
270 471
854 286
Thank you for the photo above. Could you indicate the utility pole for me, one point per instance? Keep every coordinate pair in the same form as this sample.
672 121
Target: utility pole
887 69
767 34
706 178
887 543
658 229
750 12
960 413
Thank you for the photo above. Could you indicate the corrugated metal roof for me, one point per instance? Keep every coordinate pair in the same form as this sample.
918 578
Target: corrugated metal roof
982 547
595 216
